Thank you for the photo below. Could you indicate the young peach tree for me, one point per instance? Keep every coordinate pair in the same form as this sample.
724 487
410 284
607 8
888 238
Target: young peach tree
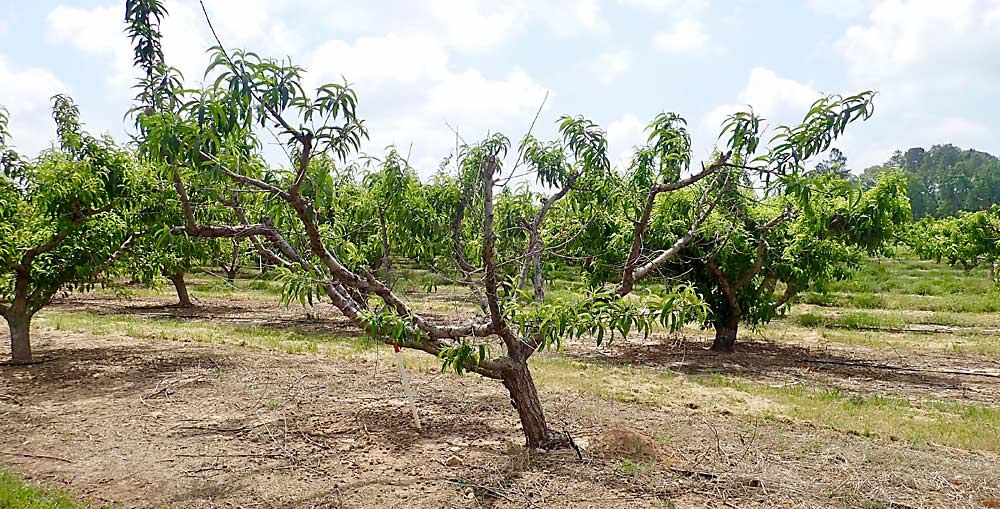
773 228
61 219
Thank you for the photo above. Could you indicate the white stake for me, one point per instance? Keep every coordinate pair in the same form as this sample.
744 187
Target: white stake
406 386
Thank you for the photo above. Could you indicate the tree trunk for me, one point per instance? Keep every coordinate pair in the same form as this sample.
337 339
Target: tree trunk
19 323
385 250
184 299
539 275
725 336
524 398
232 268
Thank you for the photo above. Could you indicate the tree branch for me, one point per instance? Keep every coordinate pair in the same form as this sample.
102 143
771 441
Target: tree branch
785 297
727 289
533 253
489 264
628 273
682 242
78 217
762 248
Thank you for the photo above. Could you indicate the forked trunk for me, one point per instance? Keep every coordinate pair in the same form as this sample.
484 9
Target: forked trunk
20 342
183 298
725 336
524 398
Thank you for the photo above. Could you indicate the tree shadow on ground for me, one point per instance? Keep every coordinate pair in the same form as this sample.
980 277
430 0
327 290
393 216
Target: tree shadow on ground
771 361
79 373
317 319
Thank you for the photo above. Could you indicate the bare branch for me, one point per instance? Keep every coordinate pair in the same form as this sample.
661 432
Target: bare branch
489 264
243 179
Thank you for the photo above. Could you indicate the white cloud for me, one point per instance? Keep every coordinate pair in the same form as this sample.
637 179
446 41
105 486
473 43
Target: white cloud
476 25
472 97
944 43
467 26
925 57
685 35
26 93
403 57
96 31
780 100
842 8
671 5
186 40
99 31
586 14
611 64
623 136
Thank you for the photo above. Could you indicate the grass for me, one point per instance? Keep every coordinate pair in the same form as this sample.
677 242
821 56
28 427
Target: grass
987 302
903 294
920 423
632 468
851 320
985 344
289 340
914 277
905 283
18 494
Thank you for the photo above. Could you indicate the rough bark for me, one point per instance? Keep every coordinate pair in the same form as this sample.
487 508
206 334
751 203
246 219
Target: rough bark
19 321
183 298
539 281
524 397
725 336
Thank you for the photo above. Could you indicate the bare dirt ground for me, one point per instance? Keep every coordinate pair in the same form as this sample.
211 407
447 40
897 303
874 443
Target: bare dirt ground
148 423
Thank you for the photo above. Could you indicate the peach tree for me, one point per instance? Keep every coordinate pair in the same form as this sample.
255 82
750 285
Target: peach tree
62 218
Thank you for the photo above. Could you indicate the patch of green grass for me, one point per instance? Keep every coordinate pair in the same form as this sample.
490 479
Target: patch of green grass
987 302
851 320
951 424
289 340
977 343
18 494
906 276
631 468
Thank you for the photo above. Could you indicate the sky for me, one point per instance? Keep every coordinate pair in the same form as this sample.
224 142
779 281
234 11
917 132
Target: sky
424 69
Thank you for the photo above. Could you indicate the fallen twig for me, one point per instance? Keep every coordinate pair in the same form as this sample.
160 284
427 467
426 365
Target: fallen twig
36 456
748 481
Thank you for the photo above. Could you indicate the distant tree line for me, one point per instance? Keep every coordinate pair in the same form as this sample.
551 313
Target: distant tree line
941 181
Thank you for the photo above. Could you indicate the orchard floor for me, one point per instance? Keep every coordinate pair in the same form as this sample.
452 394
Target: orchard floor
139 407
